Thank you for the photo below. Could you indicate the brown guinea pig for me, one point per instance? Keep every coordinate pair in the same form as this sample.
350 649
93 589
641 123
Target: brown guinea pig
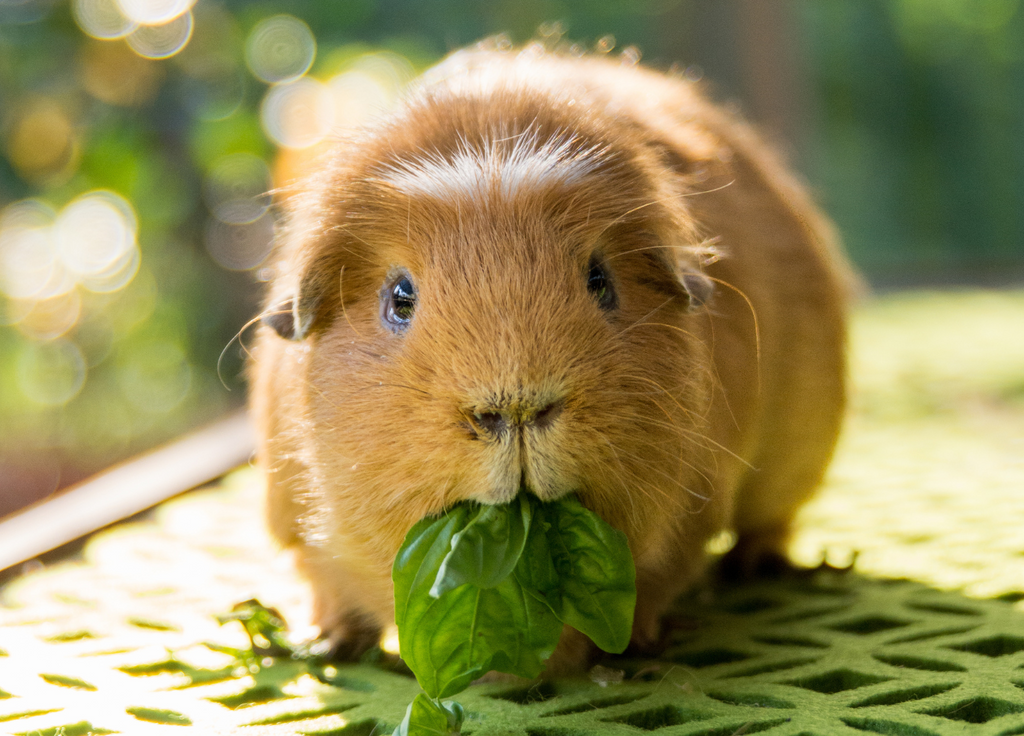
546 274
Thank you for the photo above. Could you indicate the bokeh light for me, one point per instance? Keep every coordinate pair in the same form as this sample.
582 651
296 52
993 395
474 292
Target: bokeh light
42 143
95 233
356 98
299 114
237 188
162 41
90 244
154 12
112 73
51 373
241 246
47 319
240 234
280 49
155 376
215 79
28 259
102 19
306 112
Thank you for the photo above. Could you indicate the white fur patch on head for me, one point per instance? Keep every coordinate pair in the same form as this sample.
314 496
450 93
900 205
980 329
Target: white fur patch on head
496 167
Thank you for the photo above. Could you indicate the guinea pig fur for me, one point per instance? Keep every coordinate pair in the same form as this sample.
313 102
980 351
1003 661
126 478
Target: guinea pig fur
546 274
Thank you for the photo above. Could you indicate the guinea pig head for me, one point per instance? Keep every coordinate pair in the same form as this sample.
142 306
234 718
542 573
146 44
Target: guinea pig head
484 314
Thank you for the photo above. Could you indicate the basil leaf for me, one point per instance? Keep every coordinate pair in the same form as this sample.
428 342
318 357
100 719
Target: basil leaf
485 552
582 569
426 717
450 641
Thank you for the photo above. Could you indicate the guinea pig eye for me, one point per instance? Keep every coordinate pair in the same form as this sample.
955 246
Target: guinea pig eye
398 303
600 285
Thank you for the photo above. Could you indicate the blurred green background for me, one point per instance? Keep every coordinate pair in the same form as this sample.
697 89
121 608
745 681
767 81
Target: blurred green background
138 139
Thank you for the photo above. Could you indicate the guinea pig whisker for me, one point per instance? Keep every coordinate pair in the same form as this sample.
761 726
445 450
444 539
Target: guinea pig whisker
650 203
698 471
668 393
675 427
324 397
396 385
341 296
622 481
753 315
348 231
708 247
632 251
641 323
674 480
699 192
238 336
680 484
721 447
682 432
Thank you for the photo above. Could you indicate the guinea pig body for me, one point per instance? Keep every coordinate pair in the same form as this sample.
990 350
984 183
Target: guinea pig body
549 275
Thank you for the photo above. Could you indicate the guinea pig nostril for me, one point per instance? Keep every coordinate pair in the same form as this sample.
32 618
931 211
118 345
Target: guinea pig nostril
547 416
491 422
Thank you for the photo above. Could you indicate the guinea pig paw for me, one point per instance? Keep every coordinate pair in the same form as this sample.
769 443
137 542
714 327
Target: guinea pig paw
757 556
651 640
350 638
574 655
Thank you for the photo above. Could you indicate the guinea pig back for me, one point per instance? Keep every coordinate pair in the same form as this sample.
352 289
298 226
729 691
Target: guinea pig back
549 275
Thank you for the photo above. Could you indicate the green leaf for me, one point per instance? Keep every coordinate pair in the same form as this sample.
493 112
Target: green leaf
266 628
582 568
450 641
420 557
426 717
461 614
486 551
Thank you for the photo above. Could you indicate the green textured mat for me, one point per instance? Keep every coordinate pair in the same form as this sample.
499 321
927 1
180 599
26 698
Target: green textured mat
928 485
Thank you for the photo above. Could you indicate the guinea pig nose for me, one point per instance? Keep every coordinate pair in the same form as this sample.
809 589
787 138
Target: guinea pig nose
495 421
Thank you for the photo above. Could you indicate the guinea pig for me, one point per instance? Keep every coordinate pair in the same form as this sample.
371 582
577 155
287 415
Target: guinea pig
546 274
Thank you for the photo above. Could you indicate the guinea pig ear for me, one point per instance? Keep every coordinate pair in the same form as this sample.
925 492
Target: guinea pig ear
280 317
699 288
292 318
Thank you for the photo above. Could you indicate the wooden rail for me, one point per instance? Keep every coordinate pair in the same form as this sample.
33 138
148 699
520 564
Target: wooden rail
126 489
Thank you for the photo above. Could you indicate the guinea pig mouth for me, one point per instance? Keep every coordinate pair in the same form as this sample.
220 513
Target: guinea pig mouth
519 467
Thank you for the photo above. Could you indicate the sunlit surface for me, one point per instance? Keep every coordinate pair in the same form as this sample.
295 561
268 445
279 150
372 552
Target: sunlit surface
926 487
389 642
280 49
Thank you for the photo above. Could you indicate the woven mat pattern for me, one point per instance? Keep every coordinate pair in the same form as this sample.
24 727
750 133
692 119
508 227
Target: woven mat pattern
924 636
